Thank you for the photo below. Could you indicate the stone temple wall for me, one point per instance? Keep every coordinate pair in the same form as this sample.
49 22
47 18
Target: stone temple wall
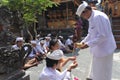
11 63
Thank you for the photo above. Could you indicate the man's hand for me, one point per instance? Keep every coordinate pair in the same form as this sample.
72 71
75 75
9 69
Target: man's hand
72 66
84 46
77 45
72 58
81 45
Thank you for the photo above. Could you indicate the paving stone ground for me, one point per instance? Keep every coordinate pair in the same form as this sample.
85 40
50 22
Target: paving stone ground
84 60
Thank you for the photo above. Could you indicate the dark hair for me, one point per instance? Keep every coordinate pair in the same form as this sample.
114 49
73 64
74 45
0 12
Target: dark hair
52 43
77 17
88 7
51 62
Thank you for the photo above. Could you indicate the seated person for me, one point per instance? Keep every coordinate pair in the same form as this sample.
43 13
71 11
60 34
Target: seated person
62 46
34 50
32 57
54 45
19 43
18 46
52 61
37 50
46 44
41 49
69 43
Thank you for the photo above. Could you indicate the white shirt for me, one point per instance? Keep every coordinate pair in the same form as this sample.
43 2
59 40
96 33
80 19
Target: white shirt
100 38
52 74
15 47
46 43
40 48
68 42
61 44
33 52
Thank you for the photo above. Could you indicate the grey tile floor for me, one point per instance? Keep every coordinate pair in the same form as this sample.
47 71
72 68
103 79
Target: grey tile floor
84 60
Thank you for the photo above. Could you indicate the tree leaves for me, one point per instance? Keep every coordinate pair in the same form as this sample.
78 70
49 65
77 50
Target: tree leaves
28 8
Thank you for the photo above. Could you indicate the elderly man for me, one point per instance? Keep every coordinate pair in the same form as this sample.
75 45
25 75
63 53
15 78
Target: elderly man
101 41
52 61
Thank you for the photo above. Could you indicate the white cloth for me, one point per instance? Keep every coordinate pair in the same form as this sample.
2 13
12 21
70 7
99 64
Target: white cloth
45 48
100 38
102 68
32 53
102 45
19 39
52 74
47 43
81 8
61 44
40 49
68 42
55 55
15 47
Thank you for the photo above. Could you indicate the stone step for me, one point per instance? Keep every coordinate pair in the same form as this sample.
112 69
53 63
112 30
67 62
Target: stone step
116 27
118 44
116 23
116 18
116 32
117 37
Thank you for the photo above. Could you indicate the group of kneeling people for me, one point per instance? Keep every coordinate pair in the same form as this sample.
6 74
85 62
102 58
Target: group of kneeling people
54 58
